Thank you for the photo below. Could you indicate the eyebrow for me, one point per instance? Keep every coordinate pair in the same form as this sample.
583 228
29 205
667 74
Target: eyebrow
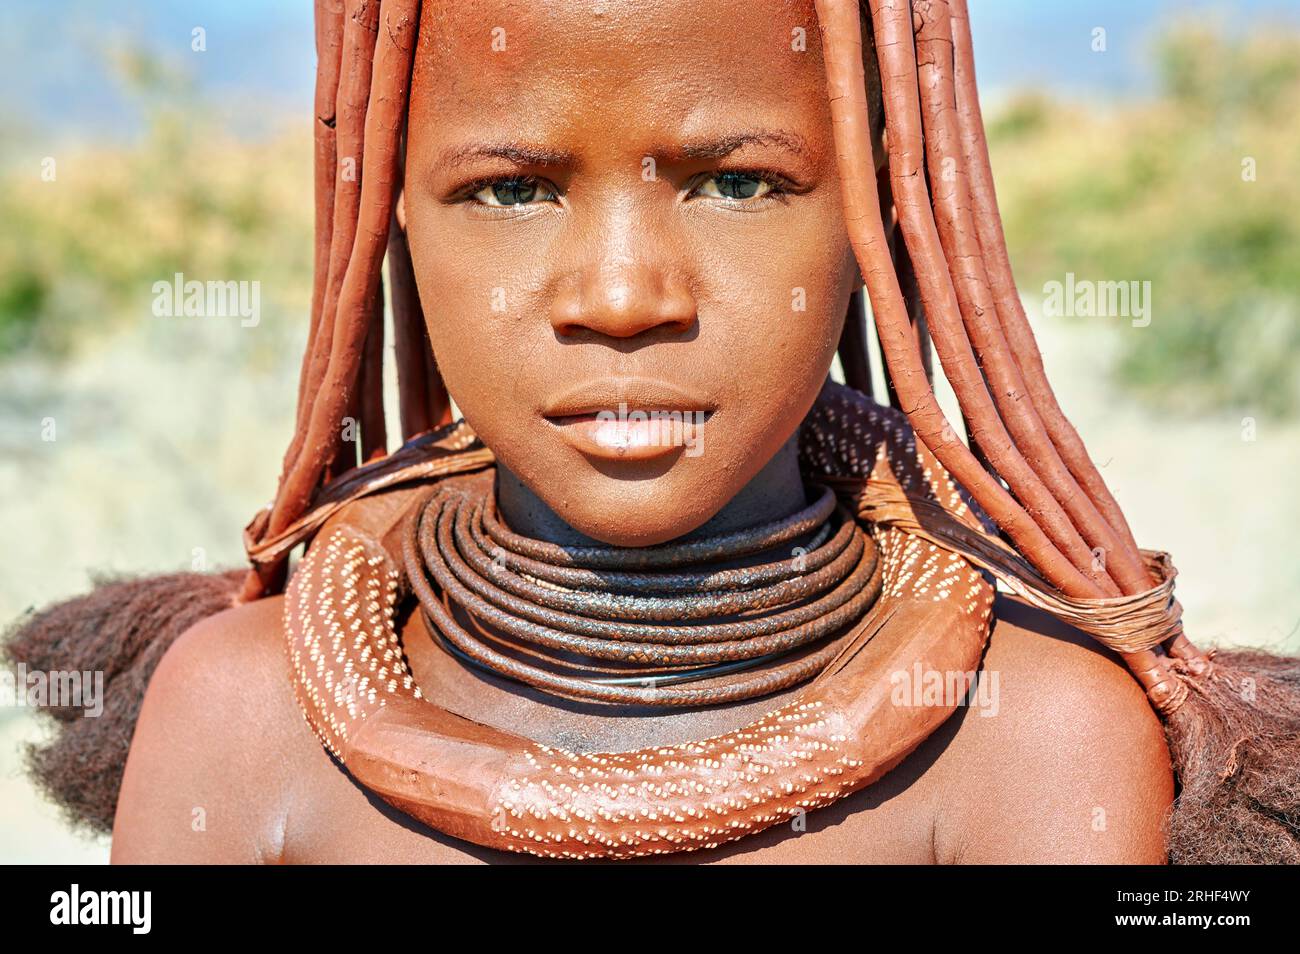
529 155
717 148
520 153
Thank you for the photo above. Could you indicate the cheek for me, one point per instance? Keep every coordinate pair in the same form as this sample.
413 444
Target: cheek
466 296
783 293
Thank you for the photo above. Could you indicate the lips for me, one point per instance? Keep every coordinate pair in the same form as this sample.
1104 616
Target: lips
629 418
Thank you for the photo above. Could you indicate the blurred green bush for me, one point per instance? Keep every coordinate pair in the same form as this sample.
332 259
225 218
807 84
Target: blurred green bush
89 229
1194 190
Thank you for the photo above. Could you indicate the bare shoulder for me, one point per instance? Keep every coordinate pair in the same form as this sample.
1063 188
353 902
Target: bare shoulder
215 741
1060 758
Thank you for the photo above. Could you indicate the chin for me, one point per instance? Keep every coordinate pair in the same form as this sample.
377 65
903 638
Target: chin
639 510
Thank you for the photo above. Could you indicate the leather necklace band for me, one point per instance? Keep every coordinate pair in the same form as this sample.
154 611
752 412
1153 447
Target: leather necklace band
768 612
730 545
839 732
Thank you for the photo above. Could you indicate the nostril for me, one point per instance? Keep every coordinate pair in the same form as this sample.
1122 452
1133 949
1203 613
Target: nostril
624 308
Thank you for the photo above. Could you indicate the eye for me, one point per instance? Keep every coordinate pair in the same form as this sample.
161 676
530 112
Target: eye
515 190
737 186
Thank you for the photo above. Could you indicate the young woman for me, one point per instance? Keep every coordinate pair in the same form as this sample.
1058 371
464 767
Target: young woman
664 589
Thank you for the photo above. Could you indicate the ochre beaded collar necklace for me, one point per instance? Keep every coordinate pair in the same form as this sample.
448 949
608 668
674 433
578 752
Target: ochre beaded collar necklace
921 605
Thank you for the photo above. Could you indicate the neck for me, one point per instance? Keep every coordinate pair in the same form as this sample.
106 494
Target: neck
775 491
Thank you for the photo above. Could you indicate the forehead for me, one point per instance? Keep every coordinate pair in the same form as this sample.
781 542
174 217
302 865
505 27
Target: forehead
674 64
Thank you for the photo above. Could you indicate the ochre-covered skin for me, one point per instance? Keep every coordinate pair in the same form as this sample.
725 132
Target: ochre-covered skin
500 790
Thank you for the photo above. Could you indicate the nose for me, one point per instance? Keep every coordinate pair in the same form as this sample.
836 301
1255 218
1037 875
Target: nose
622 298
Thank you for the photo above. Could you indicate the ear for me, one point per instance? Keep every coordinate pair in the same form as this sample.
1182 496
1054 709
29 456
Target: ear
400 210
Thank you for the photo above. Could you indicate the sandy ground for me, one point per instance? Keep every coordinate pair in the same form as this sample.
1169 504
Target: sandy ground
166 443
161 455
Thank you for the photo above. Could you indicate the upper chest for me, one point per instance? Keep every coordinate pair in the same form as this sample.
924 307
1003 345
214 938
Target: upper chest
333 819
341 823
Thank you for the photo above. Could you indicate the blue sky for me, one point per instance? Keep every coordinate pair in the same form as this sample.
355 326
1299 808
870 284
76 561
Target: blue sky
52 71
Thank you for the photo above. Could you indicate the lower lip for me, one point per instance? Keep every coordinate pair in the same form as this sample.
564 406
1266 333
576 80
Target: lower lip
634 437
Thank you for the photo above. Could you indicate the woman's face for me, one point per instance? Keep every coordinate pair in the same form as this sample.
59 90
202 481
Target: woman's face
625 222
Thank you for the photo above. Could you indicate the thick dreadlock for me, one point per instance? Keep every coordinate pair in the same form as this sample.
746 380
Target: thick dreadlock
361 93
929 240
1233 722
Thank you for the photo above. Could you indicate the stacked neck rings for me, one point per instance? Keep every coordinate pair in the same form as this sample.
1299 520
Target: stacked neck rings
691 623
